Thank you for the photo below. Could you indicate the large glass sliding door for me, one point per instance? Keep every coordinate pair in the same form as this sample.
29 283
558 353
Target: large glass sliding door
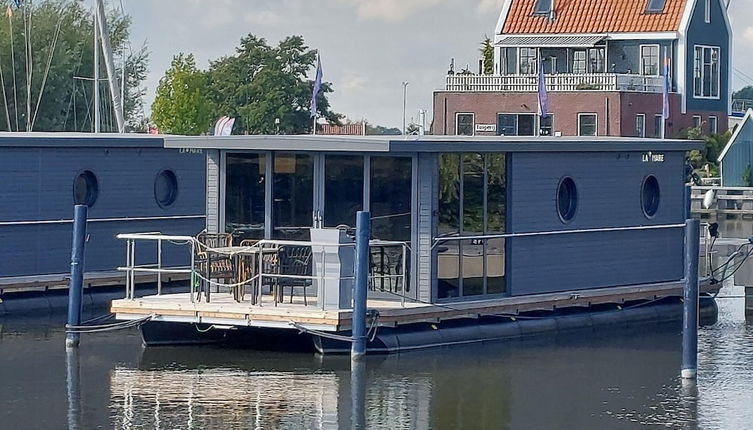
293 196
472 202
245 182
343 189
390 185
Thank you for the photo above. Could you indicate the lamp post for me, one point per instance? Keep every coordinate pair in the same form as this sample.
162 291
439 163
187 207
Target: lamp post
405 97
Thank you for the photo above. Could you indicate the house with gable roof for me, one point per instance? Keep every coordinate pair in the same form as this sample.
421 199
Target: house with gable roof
604 66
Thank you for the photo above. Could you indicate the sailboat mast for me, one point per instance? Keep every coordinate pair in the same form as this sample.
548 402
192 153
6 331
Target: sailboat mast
96 69
110 65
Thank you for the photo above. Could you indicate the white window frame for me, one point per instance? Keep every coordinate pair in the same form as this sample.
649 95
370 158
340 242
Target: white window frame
553 63
642 130
596 122
473 123
658 58
699 119
517 122
713 119
535 60
718 75
707 13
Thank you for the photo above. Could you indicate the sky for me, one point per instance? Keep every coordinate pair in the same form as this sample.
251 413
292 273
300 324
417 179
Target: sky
368 47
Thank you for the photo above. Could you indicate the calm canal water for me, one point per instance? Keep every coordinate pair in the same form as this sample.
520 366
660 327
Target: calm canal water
616 379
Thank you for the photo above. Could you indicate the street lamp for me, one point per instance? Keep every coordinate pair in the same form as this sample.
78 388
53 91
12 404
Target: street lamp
405 97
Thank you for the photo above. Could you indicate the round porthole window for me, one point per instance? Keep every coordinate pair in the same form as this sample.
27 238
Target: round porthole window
85 188
166 188
650 196
567 199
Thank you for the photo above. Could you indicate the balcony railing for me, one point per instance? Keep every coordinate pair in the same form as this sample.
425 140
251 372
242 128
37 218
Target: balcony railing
558 82
741 105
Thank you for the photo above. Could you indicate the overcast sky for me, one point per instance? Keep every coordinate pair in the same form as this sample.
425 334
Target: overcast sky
368 47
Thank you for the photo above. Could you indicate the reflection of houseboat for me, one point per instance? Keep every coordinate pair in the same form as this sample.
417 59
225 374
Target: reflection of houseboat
130 182
493 228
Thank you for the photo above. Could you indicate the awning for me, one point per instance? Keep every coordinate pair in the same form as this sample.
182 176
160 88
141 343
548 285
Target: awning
550 41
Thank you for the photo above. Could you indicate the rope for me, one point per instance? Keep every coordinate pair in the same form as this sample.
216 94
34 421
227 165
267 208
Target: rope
5 98
107 327
303 329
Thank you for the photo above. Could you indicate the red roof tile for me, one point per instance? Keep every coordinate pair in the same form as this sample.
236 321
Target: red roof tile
594 16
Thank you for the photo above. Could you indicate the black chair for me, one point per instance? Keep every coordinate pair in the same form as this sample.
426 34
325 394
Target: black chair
293 260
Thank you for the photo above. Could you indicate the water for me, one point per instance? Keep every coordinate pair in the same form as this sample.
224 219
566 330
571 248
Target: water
617 379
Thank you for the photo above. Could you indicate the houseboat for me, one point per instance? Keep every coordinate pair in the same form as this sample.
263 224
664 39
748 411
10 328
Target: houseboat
129 182
472 238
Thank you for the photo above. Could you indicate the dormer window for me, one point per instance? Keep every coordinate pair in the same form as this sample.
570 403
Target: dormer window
543 7
655 6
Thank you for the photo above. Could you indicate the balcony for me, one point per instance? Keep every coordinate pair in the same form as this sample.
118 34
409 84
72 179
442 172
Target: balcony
558 82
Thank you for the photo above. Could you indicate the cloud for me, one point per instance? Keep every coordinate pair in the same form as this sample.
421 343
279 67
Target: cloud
489 6
748 34
390 10
353 82
262 18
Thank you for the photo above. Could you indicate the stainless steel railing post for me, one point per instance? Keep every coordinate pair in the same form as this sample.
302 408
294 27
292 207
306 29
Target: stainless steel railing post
159 267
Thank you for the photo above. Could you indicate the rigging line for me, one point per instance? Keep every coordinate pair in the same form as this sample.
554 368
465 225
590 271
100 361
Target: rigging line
13 64
73 94
5 98
742 74
49 63
26 15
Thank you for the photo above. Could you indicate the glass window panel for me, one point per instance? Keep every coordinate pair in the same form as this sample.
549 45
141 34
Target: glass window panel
496 193
640 125
507 124
526 125
473 267
587 125
448 270
495 266
464 125
293 192
543 7
449 194
579 61
546 126
244 195
596 60
657 125
511 56
473 193
528 61
650 59
343 189
391 198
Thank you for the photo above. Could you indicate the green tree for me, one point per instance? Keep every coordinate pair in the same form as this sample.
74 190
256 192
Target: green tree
60 41
745 93
709 155
487 55
261 84
182 104
381 130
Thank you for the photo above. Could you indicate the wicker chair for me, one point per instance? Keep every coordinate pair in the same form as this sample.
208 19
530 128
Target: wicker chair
219 267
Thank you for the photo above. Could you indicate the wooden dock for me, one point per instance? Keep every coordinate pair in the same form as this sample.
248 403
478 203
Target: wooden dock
223 310
42 283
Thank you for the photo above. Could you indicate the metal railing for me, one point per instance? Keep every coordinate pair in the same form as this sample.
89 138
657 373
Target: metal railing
742 105
264 271
556 82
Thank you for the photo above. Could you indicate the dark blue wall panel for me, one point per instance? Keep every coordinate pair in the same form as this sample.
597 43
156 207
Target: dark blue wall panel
37 185
609 195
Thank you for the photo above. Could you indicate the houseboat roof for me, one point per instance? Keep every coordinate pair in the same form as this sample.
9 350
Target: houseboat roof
79 140
428 143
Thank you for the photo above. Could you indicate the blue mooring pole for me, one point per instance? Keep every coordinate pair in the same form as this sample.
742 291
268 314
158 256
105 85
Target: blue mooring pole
363 233
75 289
690 301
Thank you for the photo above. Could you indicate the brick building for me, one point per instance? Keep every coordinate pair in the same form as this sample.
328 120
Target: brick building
603 63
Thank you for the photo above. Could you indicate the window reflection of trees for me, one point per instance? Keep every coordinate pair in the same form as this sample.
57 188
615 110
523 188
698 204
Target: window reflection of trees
472 202
244 195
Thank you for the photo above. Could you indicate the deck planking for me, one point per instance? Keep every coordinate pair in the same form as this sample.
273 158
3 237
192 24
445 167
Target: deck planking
224 310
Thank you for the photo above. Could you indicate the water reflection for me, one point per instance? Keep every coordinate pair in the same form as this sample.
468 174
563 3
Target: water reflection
616 379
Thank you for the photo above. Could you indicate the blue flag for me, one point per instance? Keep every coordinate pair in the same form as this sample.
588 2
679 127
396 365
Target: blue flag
543 96
666 88
317 86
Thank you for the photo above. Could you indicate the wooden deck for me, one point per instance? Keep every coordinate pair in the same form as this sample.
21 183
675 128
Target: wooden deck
91 279
223 310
